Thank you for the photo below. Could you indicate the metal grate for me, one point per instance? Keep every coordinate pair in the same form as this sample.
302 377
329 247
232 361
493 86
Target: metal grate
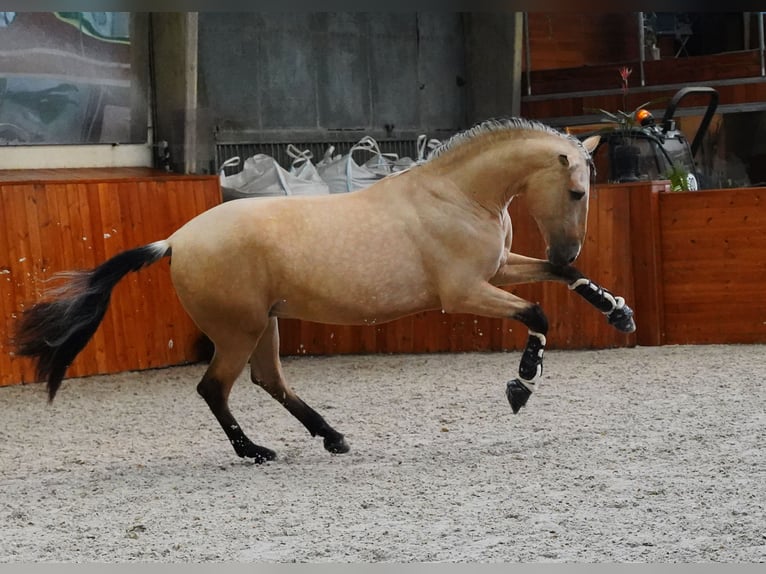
224 150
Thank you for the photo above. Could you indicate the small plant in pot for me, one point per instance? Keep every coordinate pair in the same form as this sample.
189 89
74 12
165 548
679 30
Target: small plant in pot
624 136
624 152
680 178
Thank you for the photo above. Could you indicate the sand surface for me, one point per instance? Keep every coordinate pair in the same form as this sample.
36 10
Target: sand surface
641 455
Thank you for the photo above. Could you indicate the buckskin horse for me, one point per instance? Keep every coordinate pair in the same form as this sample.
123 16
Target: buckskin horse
437 236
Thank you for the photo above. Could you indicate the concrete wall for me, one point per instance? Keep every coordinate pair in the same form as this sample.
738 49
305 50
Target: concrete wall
174 42
269 76
323 71
278 77
493 45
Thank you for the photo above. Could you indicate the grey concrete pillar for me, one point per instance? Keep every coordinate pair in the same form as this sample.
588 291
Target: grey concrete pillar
493 46
174 46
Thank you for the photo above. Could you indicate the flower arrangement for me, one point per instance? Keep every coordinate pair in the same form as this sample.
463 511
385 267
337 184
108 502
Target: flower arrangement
624 133
627 121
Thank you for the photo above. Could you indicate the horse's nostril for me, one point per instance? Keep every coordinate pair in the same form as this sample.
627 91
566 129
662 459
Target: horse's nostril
563 255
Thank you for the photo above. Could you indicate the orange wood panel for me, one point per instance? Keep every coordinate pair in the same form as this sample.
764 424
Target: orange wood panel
579 77
569 39
713 246
646 258
59 220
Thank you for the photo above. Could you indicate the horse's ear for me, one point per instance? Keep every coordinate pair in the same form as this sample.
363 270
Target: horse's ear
591 143
563 160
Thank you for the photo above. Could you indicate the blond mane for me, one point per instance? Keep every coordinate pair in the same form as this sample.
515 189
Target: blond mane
504 125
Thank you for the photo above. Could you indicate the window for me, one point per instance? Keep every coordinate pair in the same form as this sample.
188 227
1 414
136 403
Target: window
73 78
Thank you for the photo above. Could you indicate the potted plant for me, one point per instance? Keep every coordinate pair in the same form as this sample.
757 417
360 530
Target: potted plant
624 134
621 139
681 179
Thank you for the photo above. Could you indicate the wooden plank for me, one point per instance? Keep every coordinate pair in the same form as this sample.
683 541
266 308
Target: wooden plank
12 274
579 39
105 345
82 228
613 250
575 77
93 175
157 278
646 234
152 348
125 295
713 244
77 223
542 108
112 226
714 323
696 271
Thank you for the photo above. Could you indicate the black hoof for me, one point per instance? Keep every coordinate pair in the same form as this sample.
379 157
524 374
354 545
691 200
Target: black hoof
259 454
622 319
336 444
518 394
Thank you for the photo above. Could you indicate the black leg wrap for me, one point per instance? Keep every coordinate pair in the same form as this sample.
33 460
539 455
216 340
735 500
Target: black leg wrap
531 364
618 314
518 394
622 319
532 358
596 296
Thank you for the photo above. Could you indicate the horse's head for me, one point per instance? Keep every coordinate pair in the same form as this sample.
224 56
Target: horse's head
558 198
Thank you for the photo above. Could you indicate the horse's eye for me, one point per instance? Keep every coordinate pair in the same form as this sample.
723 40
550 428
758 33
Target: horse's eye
576 194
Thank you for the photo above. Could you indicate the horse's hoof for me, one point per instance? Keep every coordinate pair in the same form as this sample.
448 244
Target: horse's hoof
258 454
336 444
622 319
518 394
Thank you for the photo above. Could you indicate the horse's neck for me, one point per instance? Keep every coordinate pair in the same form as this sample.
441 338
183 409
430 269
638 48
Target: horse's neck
490 175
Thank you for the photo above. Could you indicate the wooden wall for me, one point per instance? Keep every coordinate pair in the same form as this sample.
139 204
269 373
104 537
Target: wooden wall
569 91
58 220
572 39
713 252
699 265
674 71
690 264
589 105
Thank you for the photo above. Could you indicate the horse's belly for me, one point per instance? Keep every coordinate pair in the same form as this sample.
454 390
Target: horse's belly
354 303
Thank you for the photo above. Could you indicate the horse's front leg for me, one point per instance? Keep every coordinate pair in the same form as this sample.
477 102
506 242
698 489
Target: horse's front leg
490 301
619 315
520 269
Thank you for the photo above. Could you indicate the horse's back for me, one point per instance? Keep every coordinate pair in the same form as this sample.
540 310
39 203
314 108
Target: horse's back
347 258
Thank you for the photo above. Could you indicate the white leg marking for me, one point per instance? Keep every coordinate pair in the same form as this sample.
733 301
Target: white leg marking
581 281
531 382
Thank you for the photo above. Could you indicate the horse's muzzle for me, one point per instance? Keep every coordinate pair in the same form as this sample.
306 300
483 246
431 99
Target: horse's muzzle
565 254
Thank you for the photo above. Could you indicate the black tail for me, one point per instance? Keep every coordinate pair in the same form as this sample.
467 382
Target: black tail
54 331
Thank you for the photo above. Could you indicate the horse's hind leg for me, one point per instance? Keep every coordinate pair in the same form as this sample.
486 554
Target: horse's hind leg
229 360
266 371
